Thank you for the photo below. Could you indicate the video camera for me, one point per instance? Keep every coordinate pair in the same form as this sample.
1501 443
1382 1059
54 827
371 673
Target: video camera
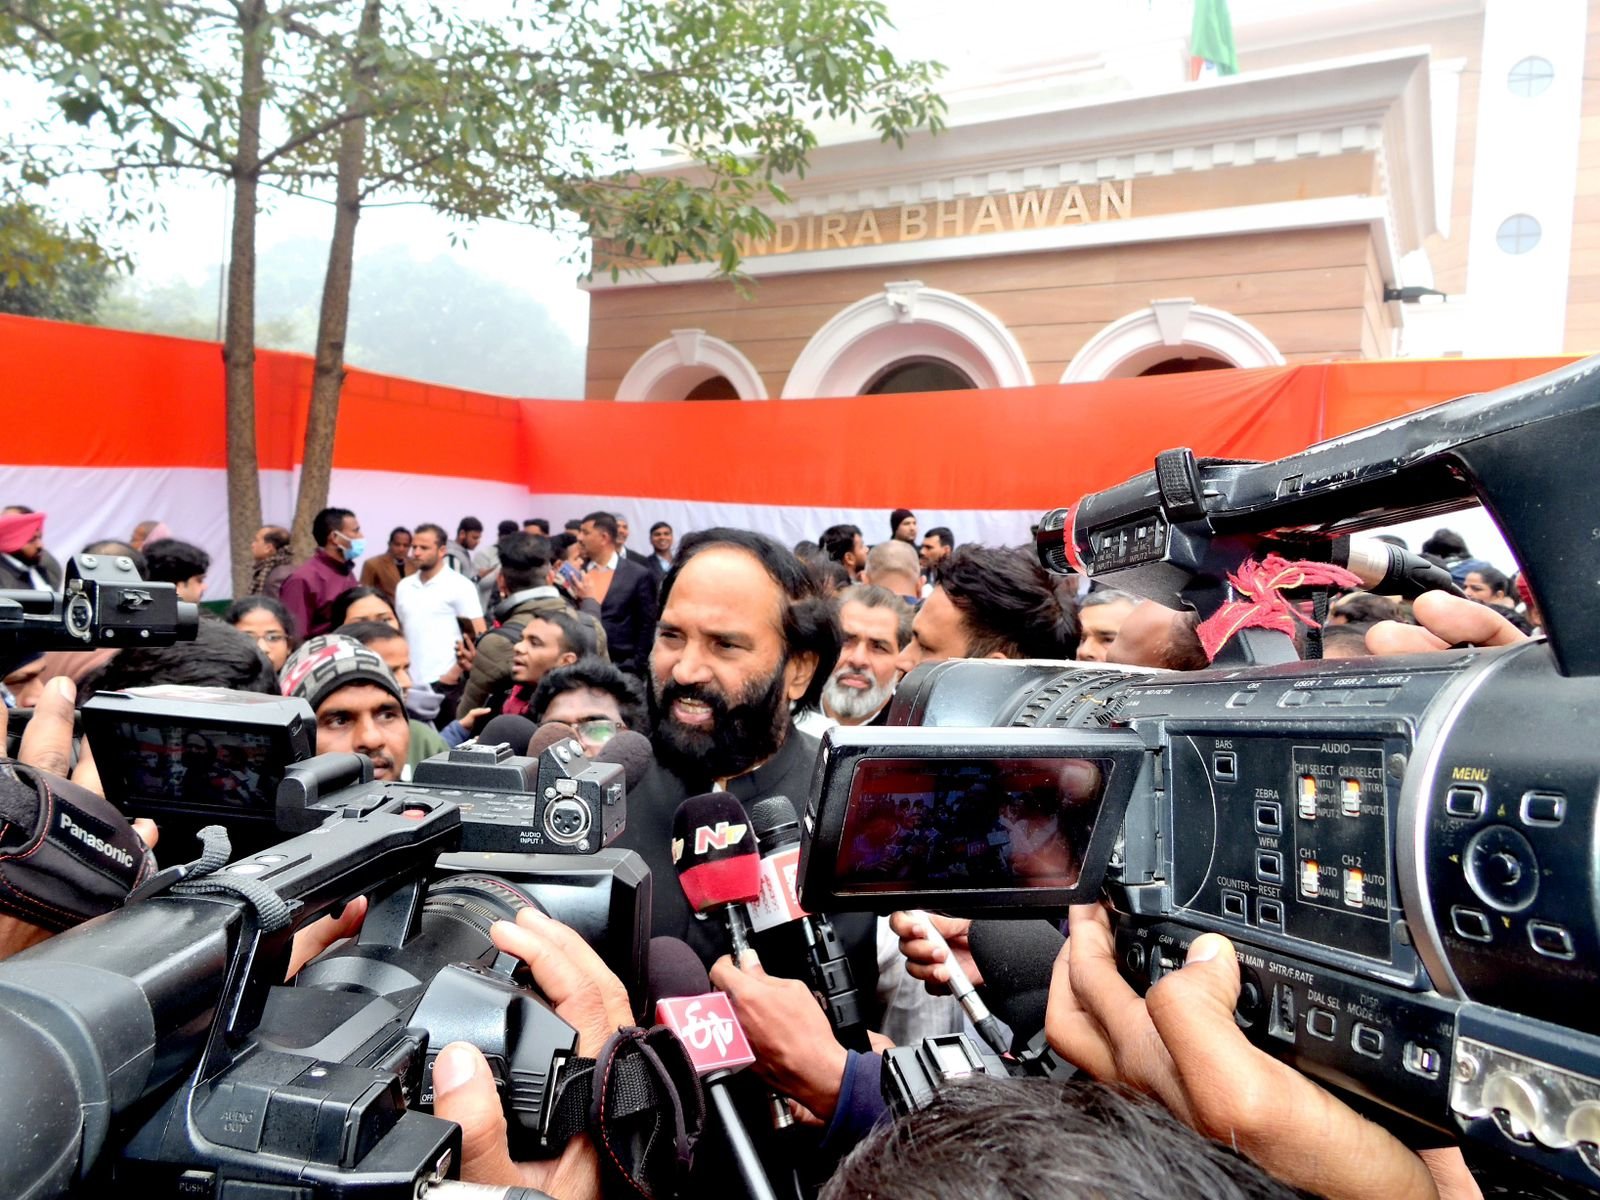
103 602
160 1045
1402 849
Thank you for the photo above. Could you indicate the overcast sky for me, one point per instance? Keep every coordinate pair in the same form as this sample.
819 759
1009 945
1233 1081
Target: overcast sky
1015 34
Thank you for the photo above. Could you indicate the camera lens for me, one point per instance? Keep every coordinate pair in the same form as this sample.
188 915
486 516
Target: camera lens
478 900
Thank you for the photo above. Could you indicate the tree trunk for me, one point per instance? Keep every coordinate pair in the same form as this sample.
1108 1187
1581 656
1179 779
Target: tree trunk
239 336
316 468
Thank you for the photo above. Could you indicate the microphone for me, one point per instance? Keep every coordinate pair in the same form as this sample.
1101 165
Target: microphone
509 728
1387 570
705 1022
629 750
778 919
715 854
548 735
1016 959
961 987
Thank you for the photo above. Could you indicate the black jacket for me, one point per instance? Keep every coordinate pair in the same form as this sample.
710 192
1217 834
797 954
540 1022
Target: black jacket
651 807
12 579
629 615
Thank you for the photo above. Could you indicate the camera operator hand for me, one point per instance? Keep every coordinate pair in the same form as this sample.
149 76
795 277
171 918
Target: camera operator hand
796 1051
47 746
588 997
1181 1045
925 960
1443 621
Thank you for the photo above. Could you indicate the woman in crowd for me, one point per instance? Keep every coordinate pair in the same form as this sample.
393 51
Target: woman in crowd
363 604
268 622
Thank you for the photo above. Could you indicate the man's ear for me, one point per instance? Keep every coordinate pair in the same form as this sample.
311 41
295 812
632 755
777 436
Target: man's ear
567 659
798 673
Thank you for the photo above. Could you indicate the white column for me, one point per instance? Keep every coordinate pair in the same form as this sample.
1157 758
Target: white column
1526 162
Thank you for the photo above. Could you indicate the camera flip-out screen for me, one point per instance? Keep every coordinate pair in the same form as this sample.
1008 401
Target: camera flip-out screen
965 819
204 751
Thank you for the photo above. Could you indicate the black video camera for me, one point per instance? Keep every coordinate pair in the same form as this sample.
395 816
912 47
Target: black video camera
246 761
1403 849
103 603
163 1049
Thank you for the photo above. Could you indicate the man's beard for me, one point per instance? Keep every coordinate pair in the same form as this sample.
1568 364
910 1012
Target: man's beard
855 704
742 734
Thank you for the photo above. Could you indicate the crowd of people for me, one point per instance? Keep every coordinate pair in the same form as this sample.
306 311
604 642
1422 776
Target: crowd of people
731 653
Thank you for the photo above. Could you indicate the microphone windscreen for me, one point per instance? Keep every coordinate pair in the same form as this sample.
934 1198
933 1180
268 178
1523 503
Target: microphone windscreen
675 970
548 735
1015 959
774 815
509 728
630 751
714 850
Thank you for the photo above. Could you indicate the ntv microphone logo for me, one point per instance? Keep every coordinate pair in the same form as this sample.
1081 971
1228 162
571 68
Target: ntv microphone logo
711 837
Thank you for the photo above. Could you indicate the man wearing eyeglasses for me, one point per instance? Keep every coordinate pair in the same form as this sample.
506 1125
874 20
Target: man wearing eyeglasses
593 697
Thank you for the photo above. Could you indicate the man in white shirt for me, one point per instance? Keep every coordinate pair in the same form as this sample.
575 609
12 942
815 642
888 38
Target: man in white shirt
432 604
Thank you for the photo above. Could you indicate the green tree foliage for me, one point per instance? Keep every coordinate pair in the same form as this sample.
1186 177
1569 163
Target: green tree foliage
46 271
542 113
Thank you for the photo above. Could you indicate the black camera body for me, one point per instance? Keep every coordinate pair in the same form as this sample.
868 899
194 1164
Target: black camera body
103 602
248 761
1405 851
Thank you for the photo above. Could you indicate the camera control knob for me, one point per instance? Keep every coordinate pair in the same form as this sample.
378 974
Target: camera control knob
1502 868
1519 1105
1583 1123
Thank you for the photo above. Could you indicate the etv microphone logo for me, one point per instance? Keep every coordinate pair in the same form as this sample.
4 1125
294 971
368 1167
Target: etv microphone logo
709 1029
711 837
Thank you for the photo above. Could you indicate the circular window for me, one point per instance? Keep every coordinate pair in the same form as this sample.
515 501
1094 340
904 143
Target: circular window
1518 234
1531 76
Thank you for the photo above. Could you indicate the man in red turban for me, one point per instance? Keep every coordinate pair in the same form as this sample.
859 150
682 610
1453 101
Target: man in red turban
24 562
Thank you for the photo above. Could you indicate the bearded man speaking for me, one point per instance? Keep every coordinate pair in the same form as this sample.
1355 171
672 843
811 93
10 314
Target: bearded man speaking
744 640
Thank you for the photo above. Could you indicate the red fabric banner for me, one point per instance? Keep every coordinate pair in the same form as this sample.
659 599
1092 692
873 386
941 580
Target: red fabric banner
78 396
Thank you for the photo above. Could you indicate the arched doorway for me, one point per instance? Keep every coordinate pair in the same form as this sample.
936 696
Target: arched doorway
919 375
907 323
1177 332
692 365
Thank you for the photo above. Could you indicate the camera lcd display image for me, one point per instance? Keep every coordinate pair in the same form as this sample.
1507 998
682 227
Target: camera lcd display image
969 824
199 767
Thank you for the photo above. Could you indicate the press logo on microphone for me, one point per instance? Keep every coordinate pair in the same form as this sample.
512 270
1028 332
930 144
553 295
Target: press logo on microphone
712 837
94 842
709 1030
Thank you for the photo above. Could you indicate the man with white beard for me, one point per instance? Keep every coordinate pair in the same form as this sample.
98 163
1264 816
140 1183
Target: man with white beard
877 626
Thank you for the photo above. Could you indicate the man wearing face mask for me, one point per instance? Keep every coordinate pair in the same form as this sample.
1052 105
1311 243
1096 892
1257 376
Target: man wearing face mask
309 593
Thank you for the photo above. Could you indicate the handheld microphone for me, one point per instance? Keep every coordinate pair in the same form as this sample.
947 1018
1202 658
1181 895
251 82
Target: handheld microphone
1387 570
776 916
961 987
705 1022
629 750
1016 959
715 854
514 730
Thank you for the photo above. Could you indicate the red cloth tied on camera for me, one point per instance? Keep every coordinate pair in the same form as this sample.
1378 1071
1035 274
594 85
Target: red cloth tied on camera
1266 607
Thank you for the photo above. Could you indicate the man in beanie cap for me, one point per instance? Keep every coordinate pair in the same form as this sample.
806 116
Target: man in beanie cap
903 526
24 562
359 705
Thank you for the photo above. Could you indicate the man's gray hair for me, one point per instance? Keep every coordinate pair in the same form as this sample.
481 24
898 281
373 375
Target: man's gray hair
871 596
1106 596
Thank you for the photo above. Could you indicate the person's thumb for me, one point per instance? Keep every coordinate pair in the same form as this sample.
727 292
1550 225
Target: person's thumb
463 1092
1211 970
